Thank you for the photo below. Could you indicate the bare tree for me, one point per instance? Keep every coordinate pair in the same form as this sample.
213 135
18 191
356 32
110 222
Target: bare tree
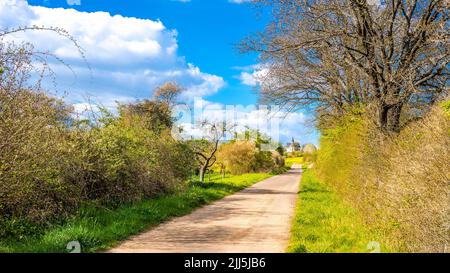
334 54
205 149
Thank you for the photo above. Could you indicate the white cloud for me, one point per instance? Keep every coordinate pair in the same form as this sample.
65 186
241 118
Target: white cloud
252 75
129 57
248 79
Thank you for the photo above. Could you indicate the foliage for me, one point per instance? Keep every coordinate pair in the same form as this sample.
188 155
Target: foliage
238 157
33 150
123 161
398 183
52 163
167 93
48 169
155 115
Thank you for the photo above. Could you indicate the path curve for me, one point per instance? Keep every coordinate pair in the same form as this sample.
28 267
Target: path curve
256 219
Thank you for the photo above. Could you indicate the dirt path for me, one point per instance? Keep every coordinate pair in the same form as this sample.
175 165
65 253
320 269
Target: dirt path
256 219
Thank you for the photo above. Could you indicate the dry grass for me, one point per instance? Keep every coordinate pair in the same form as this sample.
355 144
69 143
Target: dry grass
399 183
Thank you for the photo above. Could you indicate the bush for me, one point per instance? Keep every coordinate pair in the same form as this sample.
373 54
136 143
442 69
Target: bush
33 150
240 157
399 183
125 162
50 164
237 157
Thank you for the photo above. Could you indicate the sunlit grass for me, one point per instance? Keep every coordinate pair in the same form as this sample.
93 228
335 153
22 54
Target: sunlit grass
99 228
324 223
293 160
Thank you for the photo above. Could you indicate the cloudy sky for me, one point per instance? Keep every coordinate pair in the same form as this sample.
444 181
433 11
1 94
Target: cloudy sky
132 46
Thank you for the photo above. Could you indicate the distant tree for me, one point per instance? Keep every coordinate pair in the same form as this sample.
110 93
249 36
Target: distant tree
335 54
167 93
280 149
158 111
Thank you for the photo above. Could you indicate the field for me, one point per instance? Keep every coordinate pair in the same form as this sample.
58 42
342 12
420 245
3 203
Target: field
293 160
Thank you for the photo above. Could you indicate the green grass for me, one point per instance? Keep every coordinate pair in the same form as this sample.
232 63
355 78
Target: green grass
324 223
98 229
293 160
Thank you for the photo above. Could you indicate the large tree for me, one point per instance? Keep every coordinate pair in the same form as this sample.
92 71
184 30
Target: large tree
333 54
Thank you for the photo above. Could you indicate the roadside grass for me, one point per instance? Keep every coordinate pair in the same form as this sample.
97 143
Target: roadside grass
324 223
293 160
97 229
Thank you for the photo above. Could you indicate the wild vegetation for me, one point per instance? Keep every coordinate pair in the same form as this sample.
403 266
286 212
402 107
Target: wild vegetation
243 156
399 184
376 74
51 163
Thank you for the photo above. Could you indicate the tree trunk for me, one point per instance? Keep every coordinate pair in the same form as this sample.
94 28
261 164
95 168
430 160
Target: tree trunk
383 111
389 117
202 173
393 121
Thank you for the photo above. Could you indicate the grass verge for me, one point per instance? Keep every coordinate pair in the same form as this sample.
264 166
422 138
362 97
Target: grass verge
98 229
324 223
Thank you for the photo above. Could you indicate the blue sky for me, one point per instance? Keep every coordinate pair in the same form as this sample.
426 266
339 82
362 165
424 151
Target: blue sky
208 31
134 45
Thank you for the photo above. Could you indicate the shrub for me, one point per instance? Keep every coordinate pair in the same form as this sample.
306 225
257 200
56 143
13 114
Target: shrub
33 149
123 161
278 160
238 157
398 182
50 164
265 161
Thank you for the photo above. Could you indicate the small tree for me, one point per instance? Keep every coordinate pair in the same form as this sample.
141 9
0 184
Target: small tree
280 149
205 149
157 112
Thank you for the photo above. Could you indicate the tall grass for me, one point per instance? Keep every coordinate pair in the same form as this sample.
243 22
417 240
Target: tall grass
400 183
